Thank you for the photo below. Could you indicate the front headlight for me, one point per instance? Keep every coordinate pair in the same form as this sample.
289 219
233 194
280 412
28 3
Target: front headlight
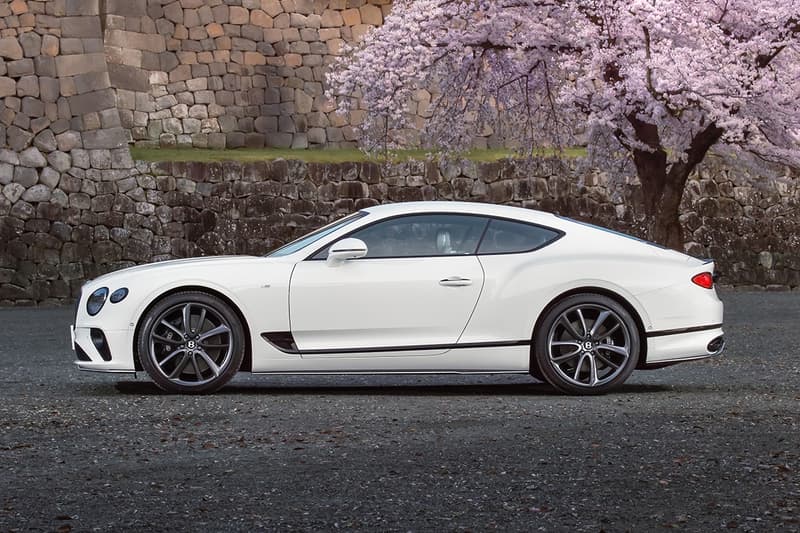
118 295
96 301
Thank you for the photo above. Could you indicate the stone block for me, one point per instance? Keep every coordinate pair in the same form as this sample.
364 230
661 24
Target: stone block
68 140
18 7
127 8
303 102
273 8
73 65
260 19
172 125
22 67
235 139
9 156
81 27
106 139
18 139
37 193
254 140
6 173
371 14
25 176
198 112
238 15
216 140
49 177
39 124
49 89
82 104
332 19
279 140
129 78
139 41
28 86
10 48
351 17
13 191
317 136
91 81
50 45
32 107
215 30
101 159
221 14
191 125
82 7
32 157
31 44
45 141
8 87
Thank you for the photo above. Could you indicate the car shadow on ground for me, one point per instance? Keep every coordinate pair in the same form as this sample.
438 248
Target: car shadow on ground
145 388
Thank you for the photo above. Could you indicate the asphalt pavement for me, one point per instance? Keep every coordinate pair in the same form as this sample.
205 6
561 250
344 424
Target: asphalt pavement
704 446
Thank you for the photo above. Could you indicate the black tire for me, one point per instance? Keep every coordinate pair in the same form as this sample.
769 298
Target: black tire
586 344
197 359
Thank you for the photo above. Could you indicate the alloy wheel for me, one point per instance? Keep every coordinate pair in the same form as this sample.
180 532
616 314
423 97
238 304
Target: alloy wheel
191 344
589 345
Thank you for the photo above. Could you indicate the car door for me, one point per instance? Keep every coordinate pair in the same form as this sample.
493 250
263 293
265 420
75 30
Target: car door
414 291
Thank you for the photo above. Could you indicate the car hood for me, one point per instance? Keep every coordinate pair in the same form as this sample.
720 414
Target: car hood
164 266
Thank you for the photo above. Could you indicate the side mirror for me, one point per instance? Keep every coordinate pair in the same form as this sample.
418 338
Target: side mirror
346 249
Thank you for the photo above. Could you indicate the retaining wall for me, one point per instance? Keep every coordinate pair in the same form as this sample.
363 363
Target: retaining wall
87 224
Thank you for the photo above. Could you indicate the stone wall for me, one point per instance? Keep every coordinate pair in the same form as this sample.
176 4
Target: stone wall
80 79
87 225
233 73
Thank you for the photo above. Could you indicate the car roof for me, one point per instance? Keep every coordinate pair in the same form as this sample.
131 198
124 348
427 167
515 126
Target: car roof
471 208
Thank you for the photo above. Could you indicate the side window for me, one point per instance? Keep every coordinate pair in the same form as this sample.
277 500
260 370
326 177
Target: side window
506 237
421 236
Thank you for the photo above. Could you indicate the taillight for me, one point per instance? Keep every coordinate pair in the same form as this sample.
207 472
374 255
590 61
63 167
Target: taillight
704 279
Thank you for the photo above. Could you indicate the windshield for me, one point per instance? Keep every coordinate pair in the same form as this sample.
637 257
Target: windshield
314 236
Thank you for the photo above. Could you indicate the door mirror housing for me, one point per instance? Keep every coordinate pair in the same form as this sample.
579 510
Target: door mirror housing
346 249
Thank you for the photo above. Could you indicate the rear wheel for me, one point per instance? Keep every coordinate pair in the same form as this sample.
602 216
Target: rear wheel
587 344
191 342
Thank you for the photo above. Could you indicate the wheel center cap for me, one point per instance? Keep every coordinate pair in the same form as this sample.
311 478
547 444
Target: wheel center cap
588 346
191 345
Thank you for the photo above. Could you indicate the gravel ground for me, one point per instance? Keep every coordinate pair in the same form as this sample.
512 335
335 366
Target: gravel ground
703 446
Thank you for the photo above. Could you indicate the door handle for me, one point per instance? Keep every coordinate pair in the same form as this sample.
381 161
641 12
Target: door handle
455 281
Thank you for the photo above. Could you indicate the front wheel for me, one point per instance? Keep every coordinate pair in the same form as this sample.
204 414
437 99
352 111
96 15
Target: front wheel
586 344
191 342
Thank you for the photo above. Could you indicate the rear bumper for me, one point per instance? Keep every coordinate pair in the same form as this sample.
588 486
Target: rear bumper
684 345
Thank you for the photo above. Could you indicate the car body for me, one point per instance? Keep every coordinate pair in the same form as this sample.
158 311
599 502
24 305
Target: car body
418 287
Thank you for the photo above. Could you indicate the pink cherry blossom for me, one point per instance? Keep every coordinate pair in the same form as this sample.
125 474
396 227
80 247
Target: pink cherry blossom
654 82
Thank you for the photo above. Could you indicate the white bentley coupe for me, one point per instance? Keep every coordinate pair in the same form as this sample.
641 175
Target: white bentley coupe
428 287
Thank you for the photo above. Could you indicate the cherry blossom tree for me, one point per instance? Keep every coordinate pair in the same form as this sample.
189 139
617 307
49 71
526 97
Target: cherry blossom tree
657 83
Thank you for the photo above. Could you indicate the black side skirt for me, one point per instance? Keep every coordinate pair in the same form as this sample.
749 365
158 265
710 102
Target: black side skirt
666 332
284 341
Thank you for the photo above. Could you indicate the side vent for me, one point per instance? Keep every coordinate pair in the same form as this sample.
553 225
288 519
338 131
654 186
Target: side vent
282 340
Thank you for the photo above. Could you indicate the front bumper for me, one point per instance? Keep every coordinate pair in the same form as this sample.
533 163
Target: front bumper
98 350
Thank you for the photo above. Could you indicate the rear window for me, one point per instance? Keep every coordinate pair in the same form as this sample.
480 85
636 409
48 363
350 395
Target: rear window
507 237
614 232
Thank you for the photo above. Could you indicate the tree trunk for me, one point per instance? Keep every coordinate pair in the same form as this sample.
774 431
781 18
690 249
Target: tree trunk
662 187
661 192
664 225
